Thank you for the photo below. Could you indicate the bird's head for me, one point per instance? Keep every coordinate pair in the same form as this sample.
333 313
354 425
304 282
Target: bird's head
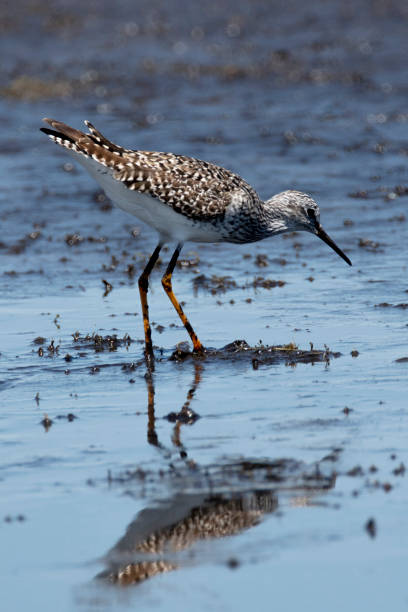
301 213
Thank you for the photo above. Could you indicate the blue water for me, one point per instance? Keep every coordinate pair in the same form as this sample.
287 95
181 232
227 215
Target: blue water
288 96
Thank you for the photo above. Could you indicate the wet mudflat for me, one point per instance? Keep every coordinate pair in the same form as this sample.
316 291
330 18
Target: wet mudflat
270 471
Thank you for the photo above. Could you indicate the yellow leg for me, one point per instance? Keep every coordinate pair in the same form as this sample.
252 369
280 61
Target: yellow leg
143 289
166 282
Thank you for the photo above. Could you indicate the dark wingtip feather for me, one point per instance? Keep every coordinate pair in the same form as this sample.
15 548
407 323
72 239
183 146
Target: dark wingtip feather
48 131
55 134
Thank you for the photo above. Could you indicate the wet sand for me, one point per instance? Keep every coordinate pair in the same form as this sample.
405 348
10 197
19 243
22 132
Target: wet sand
256 474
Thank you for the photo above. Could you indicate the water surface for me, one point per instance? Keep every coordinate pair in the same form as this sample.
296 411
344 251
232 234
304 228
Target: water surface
289 487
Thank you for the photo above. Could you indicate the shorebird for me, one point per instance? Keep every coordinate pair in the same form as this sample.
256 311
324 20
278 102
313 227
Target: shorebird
184 199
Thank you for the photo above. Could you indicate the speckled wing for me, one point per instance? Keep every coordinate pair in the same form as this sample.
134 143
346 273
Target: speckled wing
198 190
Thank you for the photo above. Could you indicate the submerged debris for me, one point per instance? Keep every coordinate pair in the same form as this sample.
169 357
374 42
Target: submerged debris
370 245
400 470
214 284
261 260
52 348
21 245
371 527
191 262
362 194
69 417
130 270
20 518
73 239
258 355
46 422
100 343
266 283
186 416
182 351
402 306
220 284
386 193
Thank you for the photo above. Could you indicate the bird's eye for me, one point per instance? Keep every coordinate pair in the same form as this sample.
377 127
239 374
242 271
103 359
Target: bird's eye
311 213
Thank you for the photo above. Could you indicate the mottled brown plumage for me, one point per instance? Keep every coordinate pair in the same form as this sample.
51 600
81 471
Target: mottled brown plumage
197 189
210 518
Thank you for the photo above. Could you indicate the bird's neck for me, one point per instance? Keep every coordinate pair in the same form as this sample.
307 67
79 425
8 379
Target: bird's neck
261 220
274 217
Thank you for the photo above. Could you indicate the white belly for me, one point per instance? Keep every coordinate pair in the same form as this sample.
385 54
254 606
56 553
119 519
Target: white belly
170 225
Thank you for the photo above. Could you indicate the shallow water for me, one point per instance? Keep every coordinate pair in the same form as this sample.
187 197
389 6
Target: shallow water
289 487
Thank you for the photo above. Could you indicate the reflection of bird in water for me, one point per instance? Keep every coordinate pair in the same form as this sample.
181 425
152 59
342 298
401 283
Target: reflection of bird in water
225 500
228 499
176 526
183 199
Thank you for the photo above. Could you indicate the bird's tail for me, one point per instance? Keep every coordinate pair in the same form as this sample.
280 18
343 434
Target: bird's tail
93 145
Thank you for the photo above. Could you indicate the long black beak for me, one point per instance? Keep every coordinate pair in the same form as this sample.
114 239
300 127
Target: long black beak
326 238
